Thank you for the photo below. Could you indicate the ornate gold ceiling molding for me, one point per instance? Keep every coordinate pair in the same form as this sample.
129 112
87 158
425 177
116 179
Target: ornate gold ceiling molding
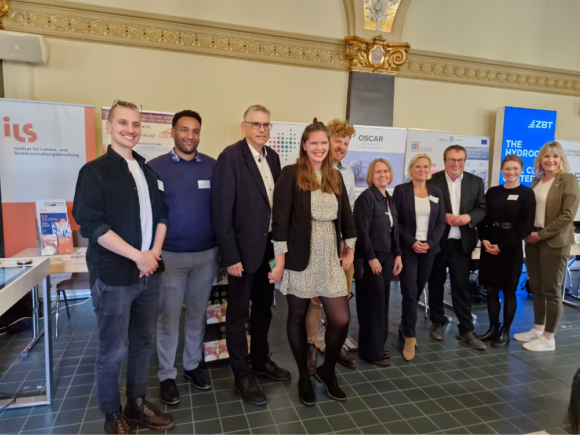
376 56
61 19
118 26
425 65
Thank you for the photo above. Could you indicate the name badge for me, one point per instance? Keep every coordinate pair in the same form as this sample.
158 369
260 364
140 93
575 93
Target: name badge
204 184
434 199
513 197
160 185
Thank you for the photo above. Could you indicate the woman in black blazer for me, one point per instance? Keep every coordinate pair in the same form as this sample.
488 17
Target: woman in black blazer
311 216
375 217
421 225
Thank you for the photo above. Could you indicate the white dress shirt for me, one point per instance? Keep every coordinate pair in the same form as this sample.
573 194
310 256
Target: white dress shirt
145 211
349 183
266 174
455 196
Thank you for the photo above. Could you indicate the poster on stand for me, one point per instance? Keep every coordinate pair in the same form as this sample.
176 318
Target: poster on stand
572 149
155 133
367 144
434 143
42 149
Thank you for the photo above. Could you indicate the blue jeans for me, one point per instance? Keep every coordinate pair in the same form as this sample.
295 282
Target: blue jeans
127 320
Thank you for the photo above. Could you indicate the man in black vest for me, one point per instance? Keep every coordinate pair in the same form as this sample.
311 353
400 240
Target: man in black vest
465 207
242 197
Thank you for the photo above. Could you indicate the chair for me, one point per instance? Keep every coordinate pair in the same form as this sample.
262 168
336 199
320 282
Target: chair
78 281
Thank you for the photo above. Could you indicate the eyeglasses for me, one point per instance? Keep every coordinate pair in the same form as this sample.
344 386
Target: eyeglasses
257 125
456 161
123 103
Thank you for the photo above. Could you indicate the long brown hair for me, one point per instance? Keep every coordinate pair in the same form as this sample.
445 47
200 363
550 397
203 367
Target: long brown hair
306 177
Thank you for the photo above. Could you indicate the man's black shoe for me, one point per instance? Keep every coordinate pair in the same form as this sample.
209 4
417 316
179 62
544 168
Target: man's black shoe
437 331
140 411
386 353
116 423
197 378
471 339
271 370
250 391
169 393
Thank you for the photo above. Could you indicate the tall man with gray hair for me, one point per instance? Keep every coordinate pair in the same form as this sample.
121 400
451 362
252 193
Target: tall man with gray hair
241 202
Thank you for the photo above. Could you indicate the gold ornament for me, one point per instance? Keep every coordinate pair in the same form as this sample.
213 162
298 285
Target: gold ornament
377 56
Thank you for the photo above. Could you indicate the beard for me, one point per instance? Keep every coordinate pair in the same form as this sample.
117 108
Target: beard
181 147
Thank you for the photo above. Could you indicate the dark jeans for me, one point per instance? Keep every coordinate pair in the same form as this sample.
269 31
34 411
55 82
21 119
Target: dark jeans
373 293
414 276
127 320
459 264
255 287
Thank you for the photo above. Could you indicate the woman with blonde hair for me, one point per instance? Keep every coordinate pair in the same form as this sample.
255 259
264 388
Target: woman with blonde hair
421 225
311 212
548 246
375 217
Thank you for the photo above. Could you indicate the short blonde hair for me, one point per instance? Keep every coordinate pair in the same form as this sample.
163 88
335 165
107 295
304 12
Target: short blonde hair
371 171
255 108
414 160
339 128
551 147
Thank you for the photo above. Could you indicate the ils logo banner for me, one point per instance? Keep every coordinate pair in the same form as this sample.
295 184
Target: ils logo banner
13 130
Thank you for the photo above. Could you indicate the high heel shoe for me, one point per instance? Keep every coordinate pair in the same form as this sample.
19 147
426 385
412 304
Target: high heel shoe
503 339
409 350
402 335
491 334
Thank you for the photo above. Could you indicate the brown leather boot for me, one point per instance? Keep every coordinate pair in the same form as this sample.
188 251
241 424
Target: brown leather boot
409 350
347 360
312 358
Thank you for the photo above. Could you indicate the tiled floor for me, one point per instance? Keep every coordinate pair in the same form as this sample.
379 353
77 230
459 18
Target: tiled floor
448 388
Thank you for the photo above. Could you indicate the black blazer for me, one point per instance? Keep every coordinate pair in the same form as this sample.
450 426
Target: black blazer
373 226
404 197
293 219
472 203
239 205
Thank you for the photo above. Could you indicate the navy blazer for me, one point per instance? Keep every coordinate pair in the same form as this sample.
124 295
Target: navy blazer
404 197
373 227
240 207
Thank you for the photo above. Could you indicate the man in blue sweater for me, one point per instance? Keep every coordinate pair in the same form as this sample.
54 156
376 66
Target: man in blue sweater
190 254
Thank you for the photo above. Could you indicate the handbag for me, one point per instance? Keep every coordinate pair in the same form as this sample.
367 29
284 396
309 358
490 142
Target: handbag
359 261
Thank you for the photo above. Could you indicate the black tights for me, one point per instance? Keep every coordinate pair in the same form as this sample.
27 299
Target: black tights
494 306
337 319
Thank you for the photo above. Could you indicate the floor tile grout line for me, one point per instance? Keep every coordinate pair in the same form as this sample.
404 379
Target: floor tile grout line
92 389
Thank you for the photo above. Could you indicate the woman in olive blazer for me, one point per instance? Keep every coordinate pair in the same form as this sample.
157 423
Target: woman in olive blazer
548 246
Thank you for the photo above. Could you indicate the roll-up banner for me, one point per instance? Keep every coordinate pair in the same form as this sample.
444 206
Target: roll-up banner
522 132
572 149
434 143
155 133
367 144
43 146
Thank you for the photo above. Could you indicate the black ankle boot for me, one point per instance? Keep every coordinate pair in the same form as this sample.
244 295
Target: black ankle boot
306 392
116 423
491 334
330 383
503 339
143 413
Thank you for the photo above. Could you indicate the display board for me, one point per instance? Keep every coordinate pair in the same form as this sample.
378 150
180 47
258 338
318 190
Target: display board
572 149
522 132
367 144
434 143
155 133
42 148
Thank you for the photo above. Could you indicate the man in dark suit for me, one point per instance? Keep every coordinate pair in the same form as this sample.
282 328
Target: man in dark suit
242 197
465 207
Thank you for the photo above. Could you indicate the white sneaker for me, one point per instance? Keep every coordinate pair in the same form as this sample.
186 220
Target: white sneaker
528 336
540 344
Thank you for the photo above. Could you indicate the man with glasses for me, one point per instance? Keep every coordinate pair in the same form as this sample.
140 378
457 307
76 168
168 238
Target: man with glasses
465 208
189 252
242 198
120 208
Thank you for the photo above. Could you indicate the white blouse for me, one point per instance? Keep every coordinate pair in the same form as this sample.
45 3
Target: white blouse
422 212
541 191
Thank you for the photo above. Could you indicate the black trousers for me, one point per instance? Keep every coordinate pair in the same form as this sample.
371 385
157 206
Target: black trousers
414 276
459 264
373 293
255 287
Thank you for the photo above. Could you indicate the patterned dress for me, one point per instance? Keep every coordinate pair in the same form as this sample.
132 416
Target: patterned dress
324 275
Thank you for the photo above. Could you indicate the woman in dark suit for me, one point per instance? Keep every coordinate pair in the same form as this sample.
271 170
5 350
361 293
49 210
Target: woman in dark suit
421 225
311 217
375 217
